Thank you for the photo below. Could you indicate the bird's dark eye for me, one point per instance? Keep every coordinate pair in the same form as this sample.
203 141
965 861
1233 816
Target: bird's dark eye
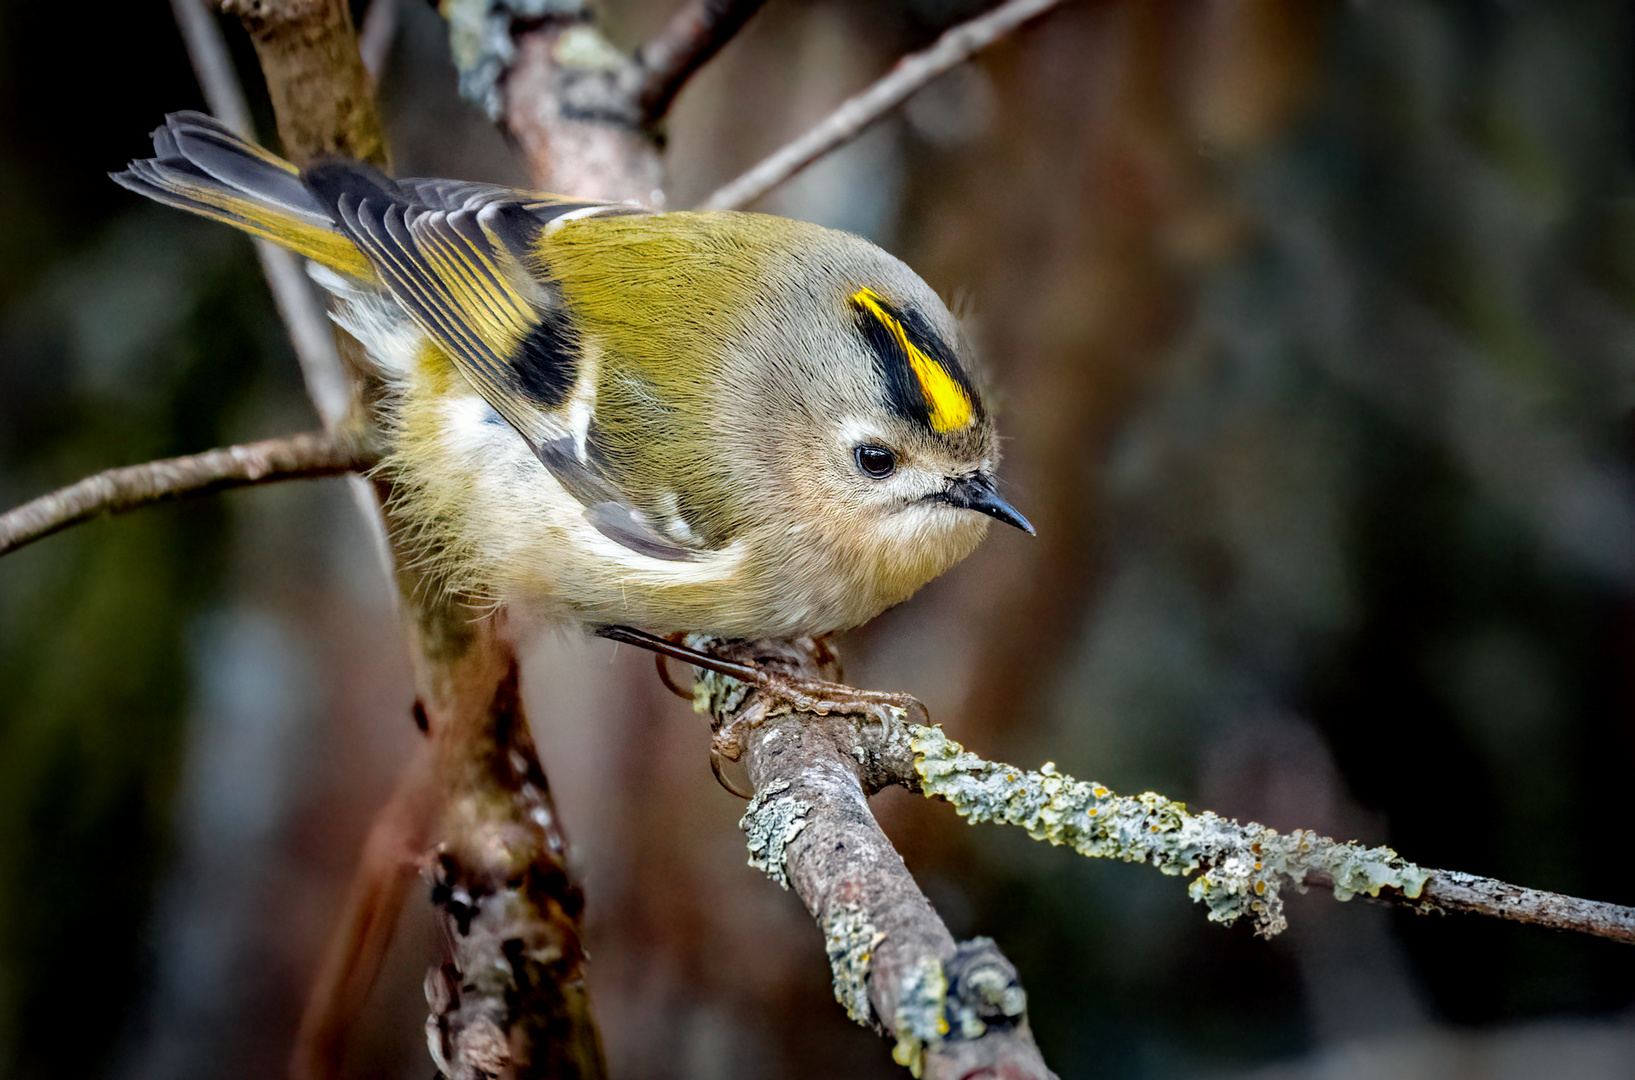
876 462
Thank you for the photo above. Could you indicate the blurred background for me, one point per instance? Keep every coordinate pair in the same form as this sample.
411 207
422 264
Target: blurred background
1313 333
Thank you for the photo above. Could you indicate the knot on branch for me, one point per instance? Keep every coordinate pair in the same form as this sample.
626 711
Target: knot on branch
962 998
983 989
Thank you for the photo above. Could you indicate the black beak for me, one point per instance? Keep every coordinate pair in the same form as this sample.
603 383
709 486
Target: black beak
976 492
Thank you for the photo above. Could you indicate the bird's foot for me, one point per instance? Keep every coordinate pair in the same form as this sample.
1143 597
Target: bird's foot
778 692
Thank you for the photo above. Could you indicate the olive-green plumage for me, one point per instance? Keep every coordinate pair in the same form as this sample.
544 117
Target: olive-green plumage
721 422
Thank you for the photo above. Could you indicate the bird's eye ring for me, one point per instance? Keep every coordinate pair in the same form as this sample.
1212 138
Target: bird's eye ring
875 462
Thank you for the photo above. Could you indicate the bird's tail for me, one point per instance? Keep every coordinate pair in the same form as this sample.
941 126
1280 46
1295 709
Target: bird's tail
201 166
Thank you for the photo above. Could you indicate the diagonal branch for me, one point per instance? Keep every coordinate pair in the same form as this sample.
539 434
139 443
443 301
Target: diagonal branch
860 112
298 457
688 41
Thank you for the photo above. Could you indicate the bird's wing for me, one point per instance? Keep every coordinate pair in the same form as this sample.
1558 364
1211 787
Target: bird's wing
460 258
201 166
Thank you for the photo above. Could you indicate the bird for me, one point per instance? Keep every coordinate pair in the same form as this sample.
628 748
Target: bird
723 423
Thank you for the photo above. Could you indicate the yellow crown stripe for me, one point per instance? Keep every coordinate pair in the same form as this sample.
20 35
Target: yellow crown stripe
950 404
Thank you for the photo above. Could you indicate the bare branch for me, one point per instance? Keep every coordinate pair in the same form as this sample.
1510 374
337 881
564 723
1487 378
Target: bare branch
298 457
393 853
692 36
513 1002
861 111
321 93
212 65
1448 891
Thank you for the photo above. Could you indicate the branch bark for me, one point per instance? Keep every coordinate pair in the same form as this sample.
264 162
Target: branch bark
322 95
513 1002
1448 892
953 1009
116 491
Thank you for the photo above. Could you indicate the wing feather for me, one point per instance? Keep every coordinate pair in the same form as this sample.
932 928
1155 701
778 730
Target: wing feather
457 257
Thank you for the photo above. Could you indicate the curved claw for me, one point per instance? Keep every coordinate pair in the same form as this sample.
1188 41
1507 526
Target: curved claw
721 777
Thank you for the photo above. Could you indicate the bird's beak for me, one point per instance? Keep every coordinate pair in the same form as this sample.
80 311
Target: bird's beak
976 492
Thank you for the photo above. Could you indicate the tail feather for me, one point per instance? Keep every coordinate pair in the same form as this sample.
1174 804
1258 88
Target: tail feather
202 167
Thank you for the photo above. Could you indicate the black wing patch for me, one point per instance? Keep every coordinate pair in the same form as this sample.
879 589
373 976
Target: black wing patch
548 361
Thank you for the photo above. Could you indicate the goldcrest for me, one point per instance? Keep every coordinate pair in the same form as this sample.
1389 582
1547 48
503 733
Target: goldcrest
729 423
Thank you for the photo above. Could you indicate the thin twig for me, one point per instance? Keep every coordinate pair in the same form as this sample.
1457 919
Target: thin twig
115 491
858 113
694 34
310 331
376 34
393 854
212 65
1449 891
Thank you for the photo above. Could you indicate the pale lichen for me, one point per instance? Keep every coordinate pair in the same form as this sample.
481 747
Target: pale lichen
1244 867
921 1019
713 693
770 822
850 940
482 43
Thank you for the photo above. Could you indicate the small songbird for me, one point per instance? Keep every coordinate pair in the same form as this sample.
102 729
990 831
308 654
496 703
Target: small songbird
728 423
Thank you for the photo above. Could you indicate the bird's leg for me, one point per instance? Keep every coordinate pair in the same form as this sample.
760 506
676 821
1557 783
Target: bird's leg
783 691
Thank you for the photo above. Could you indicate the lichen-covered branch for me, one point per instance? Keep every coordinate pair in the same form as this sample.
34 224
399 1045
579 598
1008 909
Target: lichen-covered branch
858 113
953 1009
581 111
1241 869
1238 870
116 491
692 36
